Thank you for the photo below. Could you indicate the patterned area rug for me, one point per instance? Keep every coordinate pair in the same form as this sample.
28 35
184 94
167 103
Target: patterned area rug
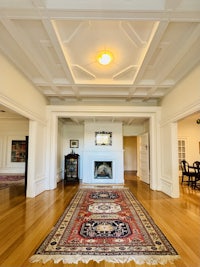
11 179
105 224
3 186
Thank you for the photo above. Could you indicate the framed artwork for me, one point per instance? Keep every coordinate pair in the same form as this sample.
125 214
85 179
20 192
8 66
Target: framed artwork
103 138
18 151
74 143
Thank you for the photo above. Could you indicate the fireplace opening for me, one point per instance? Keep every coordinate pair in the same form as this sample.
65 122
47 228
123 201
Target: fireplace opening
103 169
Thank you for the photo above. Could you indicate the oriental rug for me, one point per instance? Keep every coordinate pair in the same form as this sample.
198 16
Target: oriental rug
11 179
105 224
3 186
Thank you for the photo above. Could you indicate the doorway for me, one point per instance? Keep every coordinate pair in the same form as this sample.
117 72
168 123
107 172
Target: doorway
144 157
130 153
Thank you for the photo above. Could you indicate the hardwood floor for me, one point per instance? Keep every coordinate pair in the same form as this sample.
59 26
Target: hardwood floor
24 223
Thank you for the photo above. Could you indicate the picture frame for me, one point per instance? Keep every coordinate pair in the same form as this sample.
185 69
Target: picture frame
18 151
74 143
103 138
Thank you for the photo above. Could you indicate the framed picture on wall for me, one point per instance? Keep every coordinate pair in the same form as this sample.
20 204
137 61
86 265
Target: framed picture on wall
74 143
18 151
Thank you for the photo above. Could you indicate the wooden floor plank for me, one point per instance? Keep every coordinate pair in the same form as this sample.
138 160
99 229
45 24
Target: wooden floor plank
24 223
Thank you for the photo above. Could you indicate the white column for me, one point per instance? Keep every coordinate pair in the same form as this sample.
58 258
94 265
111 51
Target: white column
169 160
51 163
154 151
36 179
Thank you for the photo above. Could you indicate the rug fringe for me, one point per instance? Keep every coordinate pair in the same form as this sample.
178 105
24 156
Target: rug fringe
103 186
75 259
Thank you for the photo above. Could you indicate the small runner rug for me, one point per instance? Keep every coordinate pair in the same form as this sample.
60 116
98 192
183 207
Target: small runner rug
105 224
11 179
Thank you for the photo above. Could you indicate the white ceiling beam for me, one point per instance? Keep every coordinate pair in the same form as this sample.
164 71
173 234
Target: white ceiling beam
157 33
76 92
76 120
151 91
150 94
131 34
76 31
192 16
56 44
153 15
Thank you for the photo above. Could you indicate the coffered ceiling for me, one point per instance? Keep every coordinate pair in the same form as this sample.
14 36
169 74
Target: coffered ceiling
56 43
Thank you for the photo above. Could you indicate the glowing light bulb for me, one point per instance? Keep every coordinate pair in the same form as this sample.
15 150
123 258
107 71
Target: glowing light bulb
105 57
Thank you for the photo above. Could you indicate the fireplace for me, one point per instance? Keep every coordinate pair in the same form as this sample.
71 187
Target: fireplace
103 170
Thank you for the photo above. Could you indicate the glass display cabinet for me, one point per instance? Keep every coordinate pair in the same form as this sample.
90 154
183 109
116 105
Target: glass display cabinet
71 168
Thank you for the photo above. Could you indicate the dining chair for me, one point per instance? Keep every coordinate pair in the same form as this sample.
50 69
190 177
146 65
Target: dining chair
196 166
187 172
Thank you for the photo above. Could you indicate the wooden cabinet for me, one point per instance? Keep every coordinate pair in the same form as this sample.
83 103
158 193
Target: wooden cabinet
71 167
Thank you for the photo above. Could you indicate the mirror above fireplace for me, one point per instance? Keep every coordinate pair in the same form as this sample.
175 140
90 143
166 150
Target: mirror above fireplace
103 138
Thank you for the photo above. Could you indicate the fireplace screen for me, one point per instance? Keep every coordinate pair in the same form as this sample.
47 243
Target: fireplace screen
103 169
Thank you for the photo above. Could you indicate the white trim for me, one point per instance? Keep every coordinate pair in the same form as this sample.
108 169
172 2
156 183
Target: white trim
22 110
186 111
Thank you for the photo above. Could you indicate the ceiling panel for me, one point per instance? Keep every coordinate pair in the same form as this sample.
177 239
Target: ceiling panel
56 46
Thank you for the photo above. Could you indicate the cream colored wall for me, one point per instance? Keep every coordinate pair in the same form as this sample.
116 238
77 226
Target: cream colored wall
184 99
190 131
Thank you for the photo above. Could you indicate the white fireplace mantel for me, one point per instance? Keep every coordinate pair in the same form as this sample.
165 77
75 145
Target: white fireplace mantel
116 157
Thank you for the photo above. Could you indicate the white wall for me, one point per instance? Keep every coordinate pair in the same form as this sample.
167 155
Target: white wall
89 136
11 130
182 101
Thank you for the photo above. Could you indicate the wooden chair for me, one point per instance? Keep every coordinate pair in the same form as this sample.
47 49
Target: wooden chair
187 172
196 166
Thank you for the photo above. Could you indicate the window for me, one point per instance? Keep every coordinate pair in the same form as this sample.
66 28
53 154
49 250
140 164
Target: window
181 151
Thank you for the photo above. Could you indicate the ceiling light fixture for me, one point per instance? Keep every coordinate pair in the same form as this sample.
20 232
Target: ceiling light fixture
105 57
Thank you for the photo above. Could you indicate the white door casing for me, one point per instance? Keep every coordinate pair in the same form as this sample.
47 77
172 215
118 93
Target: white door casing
144 158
